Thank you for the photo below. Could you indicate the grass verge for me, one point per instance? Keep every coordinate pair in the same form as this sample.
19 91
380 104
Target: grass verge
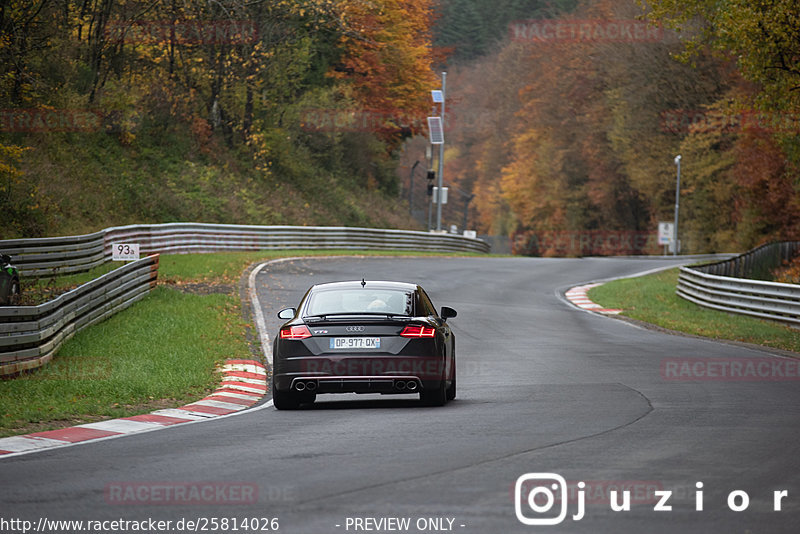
161 352
652 299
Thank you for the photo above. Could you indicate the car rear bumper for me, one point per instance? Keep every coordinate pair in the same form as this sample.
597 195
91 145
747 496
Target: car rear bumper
357 384
356 373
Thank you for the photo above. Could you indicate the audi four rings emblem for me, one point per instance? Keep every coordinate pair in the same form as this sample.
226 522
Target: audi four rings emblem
353 328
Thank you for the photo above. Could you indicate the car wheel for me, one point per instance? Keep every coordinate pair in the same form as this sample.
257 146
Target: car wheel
435 397
451 391
284 400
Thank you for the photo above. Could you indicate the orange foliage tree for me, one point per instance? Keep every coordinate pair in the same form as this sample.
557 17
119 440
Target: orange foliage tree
388 58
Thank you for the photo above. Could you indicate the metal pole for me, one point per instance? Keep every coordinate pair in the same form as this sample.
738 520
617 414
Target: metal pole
441 162
411 190
466 211
677 205
429 161
430 212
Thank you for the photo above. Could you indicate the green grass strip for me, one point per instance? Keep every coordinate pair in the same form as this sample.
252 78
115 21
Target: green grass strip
652 299
159 353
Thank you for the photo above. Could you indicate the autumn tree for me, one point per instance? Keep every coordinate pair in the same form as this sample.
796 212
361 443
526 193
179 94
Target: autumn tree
388 57
594 126
235 76
764 37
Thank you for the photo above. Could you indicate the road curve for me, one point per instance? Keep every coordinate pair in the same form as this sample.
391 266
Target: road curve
543 388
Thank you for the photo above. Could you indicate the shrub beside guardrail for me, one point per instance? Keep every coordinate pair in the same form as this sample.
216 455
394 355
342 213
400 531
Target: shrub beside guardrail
61 255
716 285
31 335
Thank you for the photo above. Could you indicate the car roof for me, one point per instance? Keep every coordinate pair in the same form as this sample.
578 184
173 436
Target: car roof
368 284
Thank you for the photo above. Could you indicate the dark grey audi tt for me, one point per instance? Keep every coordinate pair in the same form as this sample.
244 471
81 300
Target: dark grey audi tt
364 337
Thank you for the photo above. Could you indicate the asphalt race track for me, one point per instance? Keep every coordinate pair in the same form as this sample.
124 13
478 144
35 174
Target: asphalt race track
543 387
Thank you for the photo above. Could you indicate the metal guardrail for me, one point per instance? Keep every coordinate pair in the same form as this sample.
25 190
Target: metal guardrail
715 285
61 255
755 264
50 256
31 335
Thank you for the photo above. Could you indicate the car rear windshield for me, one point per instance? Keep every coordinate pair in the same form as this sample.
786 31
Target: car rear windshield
365 300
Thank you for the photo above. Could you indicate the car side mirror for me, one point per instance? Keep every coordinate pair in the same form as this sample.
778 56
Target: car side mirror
287 313
448 312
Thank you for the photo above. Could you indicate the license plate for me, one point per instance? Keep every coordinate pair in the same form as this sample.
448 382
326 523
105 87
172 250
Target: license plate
355 343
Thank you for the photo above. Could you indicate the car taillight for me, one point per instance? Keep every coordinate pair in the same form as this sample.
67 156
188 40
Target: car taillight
418 330
295 332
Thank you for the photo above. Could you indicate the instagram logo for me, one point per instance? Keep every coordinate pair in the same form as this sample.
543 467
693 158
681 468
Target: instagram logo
540 491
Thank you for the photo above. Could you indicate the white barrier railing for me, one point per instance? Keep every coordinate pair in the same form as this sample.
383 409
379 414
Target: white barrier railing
757 298
31 335
61 255
56 255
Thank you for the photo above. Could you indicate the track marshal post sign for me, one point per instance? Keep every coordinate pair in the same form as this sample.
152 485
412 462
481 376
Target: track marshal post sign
124 251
